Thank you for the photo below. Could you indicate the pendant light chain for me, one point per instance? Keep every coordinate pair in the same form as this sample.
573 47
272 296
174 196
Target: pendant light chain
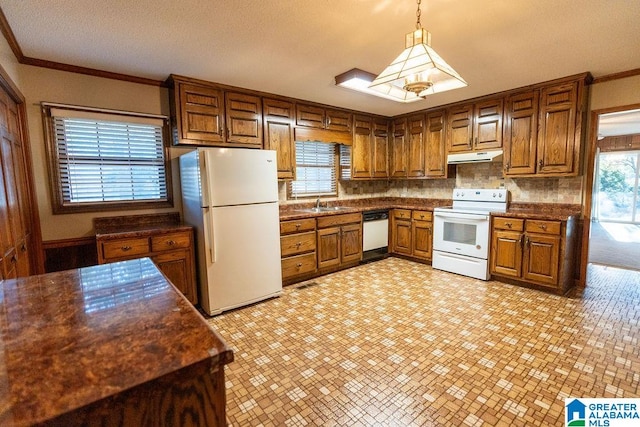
418 13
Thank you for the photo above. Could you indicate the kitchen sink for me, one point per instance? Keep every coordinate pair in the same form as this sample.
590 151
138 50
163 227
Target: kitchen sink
325 209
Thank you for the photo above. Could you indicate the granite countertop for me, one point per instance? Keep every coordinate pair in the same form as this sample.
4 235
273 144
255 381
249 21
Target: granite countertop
296 210
138 225
75 337
544 211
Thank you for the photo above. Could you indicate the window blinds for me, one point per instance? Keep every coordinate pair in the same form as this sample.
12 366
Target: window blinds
108 157
315 169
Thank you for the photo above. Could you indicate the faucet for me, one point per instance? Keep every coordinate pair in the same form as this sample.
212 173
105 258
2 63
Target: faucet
318 203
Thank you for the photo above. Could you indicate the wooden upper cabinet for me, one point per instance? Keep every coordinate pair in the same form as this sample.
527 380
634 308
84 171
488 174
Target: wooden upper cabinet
338 120
520 133
361 150
314 116
416 151
380 162
543 130
487 124
460 128
475 127
435 145
398 166
244 119
558 147
204 114
310 116
278 117
199 114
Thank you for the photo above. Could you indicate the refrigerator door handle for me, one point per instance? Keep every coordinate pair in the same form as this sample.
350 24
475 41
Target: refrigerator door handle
212 239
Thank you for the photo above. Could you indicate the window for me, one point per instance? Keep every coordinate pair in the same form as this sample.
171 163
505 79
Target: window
102 159
315 170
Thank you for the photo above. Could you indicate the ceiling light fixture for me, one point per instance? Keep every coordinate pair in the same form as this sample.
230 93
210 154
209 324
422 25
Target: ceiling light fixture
418 71
357 79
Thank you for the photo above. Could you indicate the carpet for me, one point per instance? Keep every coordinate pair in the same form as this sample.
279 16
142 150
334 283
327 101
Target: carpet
613 244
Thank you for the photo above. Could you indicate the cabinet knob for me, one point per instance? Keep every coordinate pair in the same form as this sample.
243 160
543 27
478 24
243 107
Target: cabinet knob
171 242
298 244
540 163
507 166
543 226
299 265
23 248
508 224
126 248
14 259
421 216
298 226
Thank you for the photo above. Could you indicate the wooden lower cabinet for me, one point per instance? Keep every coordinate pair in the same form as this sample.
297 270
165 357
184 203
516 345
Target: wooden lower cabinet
339 240
412 233
298 247
538 252
170 249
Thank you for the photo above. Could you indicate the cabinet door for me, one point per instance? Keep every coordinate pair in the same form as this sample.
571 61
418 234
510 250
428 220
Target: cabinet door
416 158
310 116
201 114
244 119
558 147
380 162
435 148
361 150
542 259
487 126
422 238
399 150
351 243
506 253
460 128
520 133
401 236
278 135
338 120
176 265
328 247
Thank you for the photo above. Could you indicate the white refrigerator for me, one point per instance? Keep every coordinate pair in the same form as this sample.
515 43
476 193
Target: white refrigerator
230 197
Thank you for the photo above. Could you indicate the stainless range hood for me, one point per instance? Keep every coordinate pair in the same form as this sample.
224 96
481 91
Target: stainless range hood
475 157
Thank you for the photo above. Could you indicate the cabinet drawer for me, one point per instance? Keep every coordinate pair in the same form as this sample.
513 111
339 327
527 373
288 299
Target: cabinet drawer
332 220
299 264
402 214
298 243
125 248
543 227
298 225
170 241
512 224
422 216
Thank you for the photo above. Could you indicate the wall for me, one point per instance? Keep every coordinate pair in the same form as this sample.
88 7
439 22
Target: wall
42 84
9 62
479 175
615 93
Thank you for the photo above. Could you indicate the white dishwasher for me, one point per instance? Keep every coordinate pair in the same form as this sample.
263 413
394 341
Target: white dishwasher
375 235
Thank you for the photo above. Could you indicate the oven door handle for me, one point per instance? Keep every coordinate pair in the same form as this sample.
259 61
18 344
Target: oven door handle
473 217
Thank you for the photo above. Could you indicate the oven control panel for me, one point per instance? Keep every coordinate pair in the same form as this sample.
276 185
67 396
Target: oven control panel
481 195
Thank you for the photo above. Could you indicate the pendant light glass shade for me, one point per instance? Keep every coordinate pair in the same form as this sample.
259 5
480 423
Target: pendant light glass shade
418 71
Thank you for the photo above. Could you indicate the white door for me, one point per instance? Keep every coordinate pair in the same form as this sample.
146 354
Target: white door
242 255
238 176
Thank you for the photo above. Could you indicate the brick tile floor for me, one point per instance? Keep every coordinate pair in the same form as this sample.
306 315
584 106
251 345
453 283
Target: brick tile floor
397 343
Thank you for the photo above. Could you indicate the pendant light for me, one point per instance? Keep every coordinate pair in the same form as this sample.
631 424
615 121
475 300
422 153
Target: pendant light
418 71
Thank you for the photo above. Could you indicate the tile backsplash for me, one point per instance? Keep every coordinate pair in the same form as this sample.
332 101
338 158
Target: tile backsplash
479 175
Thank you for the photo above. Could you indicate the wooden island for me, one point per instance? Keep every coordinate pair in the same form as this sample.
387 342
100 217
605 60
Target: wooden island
114 344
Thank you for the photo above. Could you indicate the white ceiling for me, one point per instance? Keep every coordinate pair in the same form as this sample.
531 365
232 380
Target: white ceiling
296 47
